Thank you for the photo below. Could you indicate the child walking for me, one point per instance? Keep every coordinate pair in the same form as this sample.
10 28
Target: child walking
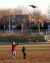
24 52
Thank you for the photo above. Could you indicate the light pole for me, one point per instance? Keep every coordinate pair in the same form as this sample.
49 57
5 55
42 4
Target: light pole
33 6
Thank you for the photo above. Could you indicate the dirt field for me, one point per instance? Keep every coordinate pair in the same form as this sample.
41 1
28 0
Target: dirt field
36 53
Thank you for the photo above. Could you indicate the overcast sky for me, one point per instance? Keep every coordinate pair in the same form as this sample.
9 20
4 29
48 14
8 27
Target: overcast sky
41 4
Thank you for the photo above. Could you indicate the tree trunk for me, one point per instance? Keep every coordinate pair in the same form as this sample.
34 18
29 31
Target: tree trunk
22 27
38 28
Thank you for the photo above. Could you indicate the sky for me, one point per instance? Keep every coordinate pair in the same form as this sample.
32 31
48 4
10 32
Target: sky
41 4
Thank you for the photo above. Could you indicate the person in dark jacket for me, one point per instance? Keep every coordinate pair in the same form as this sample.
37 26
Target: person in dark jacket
24 52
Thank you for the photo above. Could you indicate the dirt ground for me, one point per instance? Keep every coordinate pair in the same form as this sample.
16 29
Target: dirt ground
34 55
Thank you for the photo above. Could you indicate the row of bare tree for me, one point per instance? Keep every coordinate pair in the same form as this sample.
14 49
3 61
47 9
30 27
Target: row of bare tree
36 16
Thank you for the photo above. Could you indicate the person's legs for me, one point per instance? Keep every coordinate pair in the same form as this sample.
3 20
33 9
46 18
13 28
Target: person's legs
14 54
24 55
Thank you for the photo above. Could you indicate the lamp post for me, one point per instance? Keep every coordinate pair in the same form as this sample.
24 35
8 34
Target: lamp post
38 20
33 6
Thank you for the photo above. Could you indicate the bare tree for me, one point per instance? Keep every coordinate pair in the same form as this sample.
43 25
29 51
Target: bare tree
38 18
